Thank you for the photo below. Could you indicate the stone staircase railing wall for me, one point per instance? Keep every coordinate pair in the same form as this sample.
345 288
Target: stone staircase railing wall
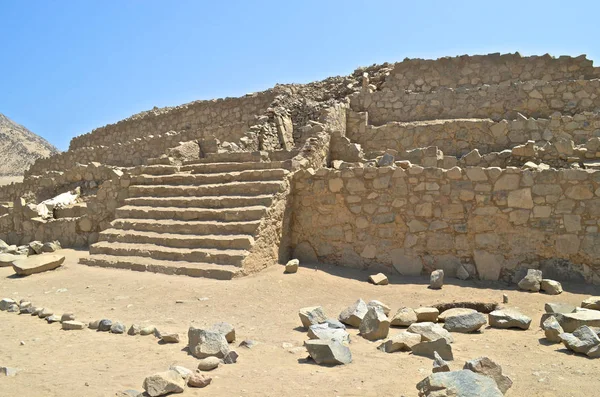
421 75
493 222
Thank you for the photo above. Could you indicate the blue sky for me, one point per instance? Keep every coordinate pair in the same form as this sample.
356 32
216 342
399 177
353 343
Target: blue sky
70 66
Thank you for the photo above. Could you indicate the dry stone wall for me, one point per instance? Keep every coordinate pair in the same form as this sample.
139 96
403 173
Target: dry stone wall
494 222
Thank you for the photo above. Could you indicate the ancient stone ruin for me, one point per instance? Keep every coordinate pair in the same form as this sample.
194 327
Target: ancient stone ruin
481 166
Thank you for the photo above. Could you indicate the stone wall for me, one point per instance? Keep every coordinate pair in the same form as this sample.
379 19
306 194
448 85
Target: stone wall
504 101
458 137
421 75
493 222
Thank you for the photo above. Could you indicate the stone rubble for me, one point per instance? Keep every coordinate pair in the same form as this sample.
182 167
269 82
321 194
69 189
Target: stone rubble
354 314
439 365
312 315
375 325
328 352
379 279
485 366
532 281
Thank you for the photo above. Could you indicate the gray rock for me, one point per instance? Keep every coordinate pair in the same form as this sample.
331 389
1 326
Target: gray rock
3 246
404 341
559 307
118 328
427 314
465 323
593 302
375 325
487 367
37 264
354 314
427 349
571 321
386 160
51 246
532 281
6 303
184 372
462 273
94 324
225 329
333 323
504 298
231 357
148 330
36 311
129 393
328 352
551 287
45 313
209 363
509 318
292 266
458 383
430 332
36 247
552 329
436 280
72 325
104 325
324 332
457 311
53 319
404 317
248 343
312 315
67 317
379 279
24 304
439 365
163 383
8 371
375 303
199 380
205 343
582 340
169 338
134 329
14 308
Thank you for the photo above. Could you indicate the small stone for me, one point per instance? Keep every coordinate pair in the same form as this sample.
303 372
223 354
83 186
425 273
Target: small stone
504 298
117 328
14 308
429 348
375 303
386 160
36 311
292 266
509 318
430 332
199 380
248 343
6 303
375 325
225 329
439 365
333 323
551 287
354 314
379 279
169 338
328 352
532 281
53 319
36 247
324 332
312 315
487 367
45 313
135 329
465 323
458 383
182 371
552 329
208 363
436 279
104 325
148 330
582 340
559 307
427 314
462 273
231 357
72 325
404 317
67 317
51 246
164 383
404 341
24 304
7 371
593 302
205 343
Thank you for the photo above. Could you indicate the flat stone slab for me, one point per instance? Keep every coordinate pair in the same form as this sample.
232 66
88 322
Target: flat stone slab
463 383
7 259
37 264
571 321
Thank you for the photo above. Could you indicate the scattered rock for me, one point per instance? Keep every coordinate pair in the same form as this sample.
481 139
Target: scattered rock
481 307
333 323
593 302
8 371
231 357
551 287
53 319
328 352
292 266
436 280
379 279
37 264
439 365
164 383
117 328
135 329
169 338
509 318
72 325
404 317
430 332
571 321
466 322
428 348
199 380
7 259
248 343
182 371
504 298
582 340
556 307
208 363
462 273
457 311
532 281
52 246
205 343
104 325
45 313
14 308
36 247
427 314
354 314
67 317
375 325
404 341
312 315
463 383
148 330
487 367
225 329
36 311
6 303
552 329
129 393
324 332
375 303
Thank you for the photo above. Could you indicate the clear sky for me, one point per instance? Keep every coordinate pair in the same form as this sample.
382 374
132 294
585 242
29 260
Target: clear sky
67 67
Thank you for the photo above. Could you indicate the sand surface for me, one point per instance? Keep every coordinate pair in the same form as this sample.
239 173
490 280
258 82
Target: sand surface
263 308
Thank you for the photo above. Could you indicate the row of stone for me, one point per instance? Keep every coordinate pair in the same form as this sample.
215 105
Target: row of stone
10 253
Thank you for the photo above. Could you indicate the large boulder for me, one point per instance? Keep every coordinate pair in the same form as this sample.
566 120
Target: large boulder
465 323
328 352
463 383
439 365
163 383
375 325
354 314
509 318
206 343
552 329
532 281
404 317
325 332
487 367
571 321
37 264
312 315
375 303
551 287
404 341
430 331
428 349
582 340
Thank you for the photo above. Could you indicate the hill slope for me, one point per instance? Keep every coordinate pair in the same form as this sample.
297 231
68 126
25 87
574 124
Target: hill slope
19 147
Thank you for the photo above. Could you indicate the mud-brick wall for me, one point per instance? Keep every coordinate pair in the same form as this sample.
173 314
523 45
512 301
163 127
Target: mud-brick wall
494 222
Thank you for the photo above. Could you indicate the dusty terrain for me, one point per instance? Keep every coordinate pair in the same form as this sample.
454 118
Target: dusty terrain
264 308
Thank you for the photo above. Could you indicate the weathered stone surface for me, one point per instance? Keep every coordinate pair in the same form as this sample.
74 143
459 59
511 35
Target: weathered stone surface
481 307
169 337
199 380
465 323
36 247
324 332
226 329
404 341
333 323
7 259
117 328
463 383
427 314
552 329
487 367
379 279
8 371
430 332
163 383
436 279
509 318
593 302
104 325
559 307
37 264
292 266
72 325
571 321
375 303
456 311
532 281
148 330
428 348
67 317
312 315
551 287
182 371
205 343
329 352
134 329
53 319
404 317
462 273
45 312
354 314
439 365
51 246
582 340
209 363
375 325
6 303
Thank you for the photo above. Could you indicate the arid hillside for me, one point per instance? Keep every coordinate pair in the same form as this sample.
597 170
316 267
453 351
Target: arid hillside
19 147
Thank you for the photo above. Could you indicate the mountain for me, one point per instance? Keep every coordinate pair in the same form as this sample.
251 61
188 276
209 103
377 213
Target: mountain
19 147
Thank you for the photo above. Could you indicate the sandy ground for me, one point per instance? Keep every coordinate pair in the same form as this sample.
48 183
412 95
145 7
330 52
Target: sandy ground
264 308
7 180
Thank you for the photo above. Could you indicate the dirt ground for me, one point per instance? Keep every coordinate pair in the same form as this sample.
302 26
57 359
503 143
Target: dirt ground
7 180
263 307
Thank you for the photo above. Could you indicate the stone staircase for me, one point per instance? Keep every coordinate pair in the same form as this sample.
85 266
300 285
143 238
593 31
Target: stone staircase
200 219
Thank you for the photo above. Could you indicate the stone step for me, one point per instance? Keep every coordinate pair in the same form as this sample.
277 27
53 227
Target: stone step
186 227
209 179
204 202
73 211
155 169
232 157
141 264
210 168
233 188
188 214
173 240
206 255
